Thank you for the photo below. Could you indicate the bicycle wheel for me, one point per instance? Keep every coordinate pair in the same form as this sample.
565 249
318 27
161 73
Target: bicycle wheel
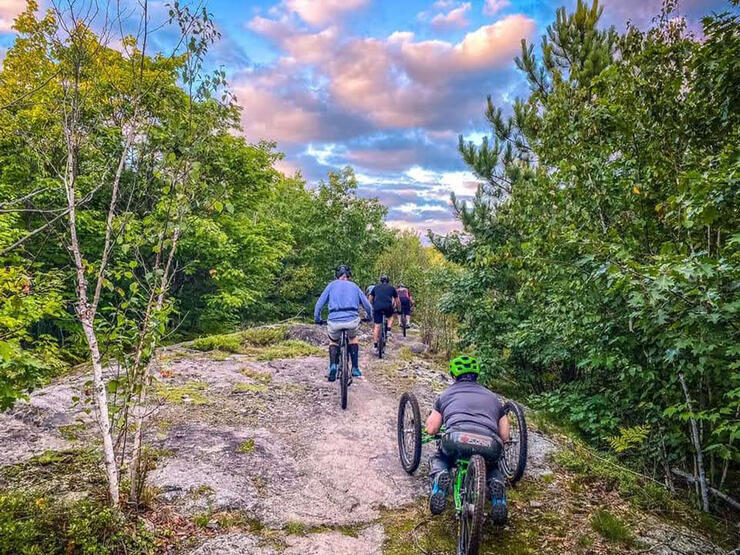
409 432
382 338
473 497
344 370
403 324
514 460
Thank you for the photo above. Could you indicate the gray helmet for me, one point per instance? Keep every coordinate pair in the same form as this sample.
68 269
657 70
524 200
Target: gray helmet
343 270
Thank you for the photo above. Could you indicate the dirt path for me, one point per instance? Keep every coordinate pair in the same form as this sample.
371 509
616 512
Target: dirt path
259 458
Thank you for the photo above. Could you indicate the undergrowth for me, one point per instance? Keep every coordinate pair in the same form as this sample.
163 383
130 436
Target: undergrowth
264 344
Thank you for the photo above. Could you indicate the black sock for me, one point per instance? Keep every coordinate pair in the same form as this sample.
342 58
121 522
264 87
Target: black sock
334 354
354 353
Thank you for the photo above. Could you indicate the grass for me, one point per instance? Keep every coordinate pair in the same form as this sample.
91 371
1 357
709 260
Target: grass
189 392
257 376
246 387
611 527
264 344
246 446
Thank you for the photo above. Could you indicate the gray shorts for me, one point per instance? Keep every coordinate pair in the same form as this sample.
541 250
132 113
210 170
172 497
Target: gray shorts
335 328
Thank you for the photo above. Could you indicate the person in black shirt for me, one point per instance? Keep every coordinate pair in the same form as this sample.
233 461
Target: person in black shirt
384 299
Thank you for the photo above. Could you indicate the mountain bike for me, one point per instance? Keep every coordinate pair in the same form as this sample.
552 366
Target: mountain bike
344 373
404 322
469 470
383 337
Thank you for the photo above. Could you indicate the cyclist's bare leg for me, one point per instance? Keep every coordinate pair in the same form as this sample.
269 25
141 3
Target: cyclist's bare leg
376 333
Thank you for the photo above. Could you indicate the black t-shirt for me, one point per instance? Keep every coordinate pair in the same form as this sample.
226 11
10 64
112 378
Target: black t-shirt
383 295
469 406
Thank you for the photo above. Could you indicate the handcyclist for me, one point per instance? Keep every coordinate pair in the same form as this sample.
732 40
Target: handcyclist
344 298
384 299
467 406
407 302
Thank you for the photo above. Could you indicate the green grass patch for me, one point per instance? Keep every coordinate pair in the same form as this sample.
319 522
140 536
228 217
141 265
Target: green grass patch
246 446
72 432
611 527
290 348
246 387
257 376
189 392
57 471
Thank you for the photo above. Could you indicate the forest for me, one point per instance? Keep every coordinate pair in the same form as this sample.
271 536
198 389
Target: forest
596 273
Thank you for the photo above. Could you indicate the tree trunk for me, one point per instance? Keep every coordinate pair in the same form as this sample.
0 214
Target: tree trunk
702 480
86 314
138 407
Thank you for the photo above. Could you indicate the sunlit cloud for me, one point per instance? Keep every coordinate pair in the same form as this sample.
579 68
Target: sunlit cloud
492 7
9 10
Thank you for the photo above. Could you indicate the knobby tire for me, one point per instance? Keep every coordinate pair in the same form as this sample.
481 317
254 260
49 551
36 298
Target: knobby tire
473 494
409 432
344 369
515 453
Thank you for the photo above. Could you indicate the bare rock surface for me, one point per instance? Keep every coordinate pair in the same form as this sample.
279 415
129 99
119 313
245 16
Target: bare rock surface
268 440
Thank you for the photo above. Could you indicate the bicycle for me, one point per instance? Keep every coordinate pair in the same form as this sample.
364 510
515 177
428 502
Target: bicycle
404 323
344 373
383 337
469 470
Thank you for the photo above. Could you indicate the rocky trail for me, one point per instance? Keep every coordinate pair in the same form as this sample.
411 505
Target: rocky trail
253 454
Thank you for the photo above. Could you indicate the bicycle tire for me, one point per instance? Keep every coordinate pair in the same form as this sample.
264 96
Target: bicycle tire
514 461
410 455
344 369
470 522
403 324
382 338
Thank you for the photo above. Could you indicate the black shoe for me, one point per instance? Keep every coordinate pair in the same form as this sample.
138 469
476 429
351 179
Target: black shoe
438 497
499 511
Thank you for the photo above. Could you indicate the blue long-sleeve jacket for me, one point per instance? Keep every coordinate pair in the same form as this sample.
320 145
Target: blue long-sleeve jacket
344 299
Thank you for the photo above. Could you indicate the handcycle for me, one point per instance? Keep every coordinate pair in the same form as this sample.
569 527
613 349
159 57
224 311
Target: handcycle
469 469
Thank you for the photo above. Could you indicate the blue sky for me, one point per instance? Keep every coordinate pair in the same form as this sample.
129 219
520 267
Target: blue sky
383 85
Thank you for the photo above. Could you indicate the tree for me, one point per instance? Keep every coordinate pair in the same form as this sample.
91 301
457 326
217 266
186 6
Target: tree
601 248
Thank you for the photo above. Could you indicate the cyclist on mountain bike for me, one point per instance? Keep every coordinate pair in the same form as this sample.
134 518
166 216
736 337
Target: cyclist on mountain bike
384 299
467 406
344 298
407 302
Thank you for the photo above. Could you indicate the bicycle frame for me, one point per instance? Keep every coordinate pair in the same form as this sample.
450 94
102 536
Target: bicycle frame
461 469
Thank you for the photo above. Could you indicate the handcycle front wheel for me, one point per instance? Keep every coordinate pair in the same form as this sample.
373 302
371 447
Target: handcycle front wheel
472 500
409 432
514 460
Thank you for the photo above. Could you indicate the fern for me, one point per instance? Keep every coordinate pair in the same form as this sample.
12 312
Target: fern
628 438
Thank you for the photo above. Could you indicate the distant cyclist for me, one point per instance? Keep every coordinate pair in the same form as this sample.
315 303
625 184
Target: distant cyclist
407 302
344 298
384 299
467 407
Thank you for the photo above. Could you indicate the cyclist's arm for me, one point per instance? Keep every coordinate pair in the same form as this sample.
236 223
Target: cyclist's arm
434 422
323 299
503 429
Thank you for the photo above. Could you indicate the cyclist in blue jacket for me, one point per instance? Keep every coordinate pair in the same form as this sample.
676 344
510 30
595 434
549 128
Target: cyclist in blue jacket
344 298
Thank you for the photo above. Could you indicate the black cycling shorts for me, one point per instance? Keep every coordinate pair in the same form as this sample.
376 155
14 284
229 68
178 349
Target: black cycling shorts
405 307
378 314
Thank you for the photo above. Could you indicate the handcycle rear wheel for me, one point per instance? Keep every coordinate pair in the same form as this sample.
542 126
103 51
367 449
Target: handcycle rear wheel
409 432
473 499
344 370
514 460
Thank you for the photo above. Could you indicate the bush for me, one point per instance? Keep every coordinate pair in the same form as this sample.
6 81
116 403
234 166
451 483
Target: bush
31 524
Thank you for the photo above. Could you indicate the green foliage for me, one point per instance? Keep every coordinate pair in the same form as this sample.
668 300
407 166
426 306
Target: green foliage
601 250
628 438
190 392
31 523
428 276
611 527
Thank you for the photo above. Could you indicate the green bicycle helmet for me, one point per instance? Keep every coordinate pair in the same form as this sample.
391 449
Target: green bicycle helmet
464 364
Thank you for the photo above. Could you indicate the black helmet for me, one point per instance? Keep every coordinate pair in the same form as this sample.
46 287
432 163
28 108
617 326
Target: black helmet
384 279
402 286
343 270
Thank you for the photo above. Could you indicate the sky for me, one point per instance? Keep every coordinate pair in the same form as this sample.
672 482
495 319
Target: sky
385 86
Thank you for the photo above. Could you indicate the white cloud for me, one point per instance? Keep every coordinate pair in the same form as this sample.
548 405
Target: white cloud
492 7
454 19
319 12
9 10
